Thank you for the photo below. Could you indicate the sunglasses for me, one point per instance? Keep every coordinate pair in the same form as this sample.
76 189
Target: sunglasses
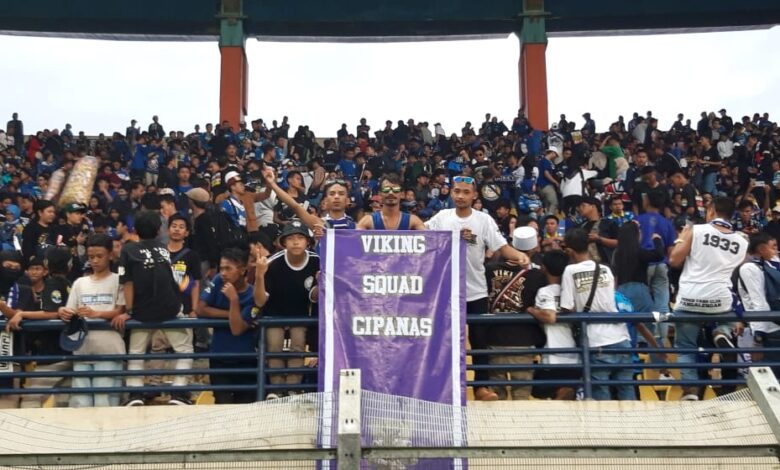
388 190
335 181
463 179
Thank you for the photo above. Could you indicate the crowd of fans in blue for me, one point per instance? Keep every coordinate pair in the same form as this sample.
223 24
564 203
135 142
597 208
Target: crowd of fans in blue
224 223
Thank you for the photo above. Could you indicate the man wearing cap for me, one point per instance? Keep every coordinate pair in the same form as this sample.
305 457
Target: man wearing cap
602 233
773 226
232 204
513 289
203 229
73 234
45 305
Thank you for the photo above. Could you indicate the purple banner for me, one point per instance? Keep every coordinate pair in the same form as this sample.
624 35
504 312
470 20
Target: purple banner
392 304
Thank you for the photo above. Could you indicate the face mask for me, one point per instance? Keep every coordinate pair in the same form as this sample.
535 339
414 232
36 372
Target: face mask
8 277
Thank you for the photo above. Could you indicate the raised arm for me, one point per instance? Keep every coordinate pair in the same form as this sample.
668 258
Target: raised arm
310 220
681 249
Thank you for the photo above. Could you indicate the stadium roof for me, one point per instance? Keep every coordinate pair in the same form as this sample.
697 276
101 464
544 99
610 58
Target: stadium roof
377 20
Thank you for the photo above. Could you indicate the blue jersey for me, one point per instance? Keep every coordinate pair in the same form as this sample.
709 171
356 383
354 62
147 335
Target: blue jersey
235 210
223 340
345 222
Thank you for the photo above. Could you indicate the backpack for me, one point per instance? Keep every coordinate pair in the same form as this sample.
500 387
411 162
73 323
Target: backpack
771 283
226 233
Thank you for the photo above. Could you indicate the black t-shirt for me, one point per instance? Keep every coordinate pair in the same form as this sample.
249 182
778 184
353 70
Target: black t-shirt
155 292
287 287
54 295
69 234
35 240
186 272
688 199
514 290
204 231
666 163
642 189
712 156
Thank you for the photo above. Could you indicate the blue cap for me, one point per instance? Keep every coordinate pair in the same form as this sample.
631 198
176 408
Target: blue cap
72 337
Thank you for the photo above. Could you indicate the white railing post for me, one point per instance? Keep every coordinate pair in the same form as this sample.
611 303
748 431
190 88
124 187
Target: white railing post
766 392
349 446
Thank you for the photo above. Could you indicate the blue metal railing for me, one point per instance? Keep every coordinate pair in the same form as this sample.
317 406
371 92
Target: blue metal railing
586 381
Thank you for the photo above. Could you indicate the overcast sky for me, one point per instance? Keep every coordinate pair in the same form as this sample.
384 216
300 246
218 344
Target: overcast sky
98 86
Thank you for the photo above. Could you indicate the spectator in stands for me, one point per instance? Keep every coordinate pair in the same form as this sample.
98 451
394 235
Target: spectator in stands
653 223
602 233
203 231
290 291
558 335
548 184
232 205
514 291
589 286
752 290
151 295
510 158
229 296
390 217
38 235
480 233
41 301
95 297
707 254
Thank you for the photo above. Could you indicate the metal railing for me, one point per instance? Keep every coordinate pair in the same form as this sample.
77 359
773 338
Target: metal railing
583 350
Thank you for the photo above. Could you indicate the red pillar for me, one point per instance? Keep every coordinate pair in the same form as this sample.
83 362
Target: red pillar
233 85
533 84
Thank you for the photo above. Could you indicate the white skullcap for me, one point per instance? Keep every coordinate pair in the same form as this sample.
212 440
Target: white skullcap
524 238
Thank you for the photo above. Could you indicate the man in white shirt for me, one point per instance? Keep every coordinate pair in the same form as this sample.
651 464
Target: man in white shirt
751 285
707 254
481 233
574 187
607 340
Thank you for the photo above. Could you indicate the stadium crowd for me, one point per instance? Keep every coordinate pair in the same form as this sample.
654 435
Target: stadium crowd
224 223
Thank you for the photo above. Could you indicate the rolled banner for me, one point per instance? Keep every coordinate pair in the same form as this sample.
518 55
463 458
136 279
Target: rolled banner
78 189
55 185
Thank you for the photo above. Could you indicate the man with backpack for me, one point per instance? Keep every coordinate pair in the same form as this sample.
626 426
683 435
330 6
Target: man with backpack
230 228
232 204
758 285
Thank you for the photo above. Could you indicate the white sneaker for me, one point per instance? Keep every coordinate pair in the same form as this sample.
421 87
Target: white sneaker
665 377
690 397
272 396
